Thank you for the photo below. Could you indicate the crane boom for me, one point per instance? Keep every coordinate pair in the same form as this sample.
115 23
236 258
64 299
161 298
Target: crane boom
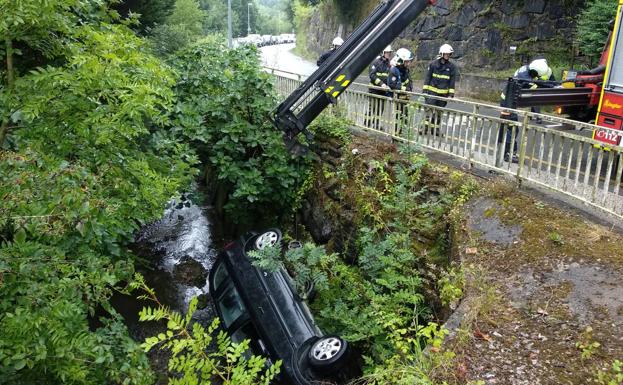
323 87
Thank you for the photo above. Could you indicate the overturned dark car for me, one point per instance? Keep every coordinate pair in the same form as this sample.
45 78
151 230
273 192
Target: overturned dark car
263 307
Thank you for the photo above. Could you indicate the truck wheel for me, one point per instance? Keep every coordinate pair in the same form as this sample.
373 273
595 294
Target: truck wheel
328 353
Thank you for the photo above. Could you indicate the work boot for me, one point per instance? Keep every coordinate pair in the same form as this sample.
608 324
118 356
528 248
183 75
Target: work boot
539 120
514 158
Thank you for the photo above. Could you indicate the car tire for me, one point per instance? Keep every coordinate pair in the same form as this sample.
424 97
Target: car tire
268 238
328 353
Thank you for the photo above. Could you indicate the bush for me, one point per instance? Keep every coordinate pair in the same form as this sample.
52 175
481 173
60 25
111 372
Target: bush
86 162
225 102
593 26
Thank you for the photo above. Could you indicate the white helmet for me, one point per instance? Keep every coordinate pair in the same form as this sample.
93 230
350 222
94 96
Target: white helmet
404 54
446 48
541 68
338 41
388 49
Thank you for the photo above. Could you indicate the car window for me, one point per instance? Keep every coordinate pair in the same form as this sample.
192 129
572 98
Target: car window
231 306
256 345
220 276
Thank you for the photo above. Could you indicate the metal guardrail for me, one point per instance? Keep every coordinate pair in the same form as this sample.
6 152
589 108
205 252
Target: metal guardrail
564 161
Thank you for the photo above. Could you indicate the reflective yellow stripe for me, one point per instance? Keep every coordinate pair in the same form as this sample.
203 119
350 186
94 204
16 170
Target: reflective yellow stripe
347 82
451 90
339 78
377 81
406 82
437 90
382 74
441 76
328 90
336 93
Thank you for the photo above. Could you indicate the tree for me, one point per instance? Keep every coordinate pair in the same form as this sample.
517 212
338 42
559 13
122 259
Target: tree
86 159
593 28
182 27
224 114
152 12
34 32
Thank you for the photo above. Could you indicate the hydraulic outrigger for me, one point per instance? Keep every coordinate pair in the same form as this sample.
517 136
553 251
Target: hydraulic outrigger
323 87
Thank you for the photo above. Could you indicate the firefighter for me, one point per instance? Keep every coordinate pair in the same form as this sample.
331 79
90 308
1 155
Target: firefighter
399 73
439 81
379 72
335 44
537 70
400 80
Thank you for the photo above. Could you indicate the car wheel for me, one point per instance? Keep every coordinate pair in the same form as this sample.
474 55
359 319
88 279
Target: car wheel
267 239
328 353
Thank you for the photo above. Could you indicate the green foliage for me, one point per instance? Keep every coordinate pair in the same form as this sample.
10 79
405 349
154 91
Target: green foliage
383 294
611 376
224 103
308 265
196 358
593 28
587 345
183 27
216 17
451 285
412 364
333 125
302 13
86 160
151 12
556 238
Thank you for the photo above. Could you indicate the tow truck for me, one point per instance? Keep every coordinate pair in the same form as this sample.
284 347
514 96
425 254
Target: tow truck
324 86
591 96
610 110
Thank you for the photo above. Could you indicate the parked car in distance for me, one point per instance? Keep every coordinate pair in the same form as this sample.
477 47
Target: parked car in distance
263 307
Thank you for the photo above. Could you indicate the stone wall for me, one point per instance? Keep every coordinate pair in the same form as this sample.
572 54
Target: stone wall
481 31
480 87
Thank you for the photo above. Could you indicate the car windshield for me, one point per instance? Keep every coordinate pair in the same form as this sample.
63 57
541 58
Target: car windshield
231 306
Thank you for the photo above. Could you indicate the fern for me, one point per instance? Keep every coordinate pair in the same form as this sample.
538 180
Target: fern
193 358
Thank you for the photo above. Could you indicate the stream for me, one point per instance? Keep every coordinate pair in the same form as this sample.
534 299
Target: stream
177 253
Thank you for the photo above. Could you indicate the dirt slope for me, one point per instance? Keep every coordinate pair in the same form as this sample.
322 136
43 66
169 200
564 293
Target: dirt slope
544 295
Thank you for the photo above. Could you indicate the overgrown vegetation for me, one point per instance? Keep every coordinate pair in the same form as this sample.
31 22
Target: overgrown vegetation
593 26
196 357
224 114
383 300
80 170
96 136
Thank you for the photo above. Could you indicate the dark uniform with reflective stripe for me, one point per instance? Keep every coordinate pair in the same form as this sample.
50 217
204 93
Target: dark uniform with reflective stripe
505 132
439 81
379 72
400 79
324 57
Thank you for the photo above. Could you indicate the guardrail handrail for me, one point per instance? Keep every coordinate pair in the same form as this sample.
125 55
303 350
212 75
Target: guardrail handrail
565 162
578 126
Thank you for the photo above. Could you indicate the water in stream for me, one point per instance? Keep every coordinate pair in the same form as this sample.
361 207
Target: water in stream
179 250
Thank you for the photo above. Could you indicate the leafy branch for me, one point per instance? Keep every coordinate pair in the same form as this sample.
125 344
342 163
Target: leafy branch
194 360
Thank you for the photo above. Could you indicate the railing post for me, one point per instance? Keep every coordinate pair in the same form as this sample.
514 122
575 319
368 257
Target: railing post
470 155
523 143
